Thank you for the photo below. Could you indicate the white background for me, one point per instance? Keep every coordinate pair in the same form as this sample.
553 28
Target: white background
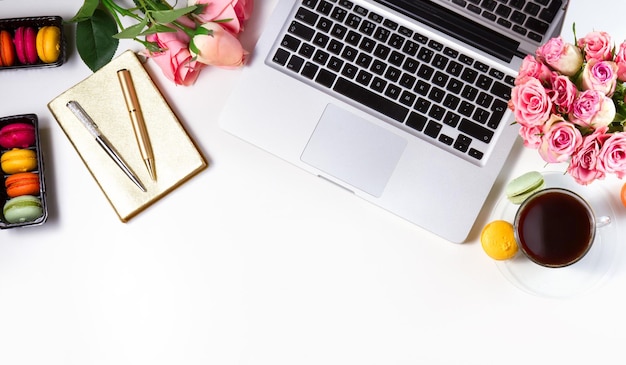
256 262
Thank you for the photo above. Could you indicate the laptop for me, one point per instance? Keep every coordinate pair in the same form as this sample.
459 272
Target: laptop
401 102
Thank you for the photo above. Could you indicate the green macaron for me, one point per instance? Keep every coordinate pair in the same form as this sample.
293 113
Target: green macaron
25 208
520 188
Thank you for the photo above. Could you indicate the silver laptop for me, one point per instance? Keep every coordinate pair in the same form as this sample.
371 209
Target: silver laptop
402 102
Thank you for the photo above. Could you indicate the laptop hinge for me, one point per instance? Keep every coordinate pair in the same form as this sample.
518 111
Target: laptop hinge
454 25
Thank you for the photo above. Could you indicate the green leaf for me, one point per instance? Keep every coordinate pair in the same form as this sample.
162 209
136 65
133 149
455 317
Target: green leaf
94 39
86 11
133 31
159 28
168 16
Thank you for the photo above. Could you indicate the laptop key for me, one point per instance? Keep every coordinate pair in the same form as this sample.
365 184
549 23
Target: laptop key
307 16
302 31
497 112
325 78
475 130
474 9
370 99
290 42
532 9
416 121
367 27
475 153
505 23
535 37
335 64
517 4
281 56
295 63
325 7
309 70
489 16
503 11
501 90
445 139
309 3
488 4
549 13
432 129
537 25
360 10
462 142
353 21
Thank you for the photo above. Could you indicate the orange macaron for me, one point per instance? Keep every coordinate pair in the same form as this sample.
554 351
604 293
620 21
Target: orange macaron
7 50
23 183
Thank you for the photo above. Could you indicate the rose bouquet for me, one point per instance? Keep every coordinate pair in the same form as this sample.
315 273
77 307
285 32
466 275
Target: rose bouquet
568 100
181 40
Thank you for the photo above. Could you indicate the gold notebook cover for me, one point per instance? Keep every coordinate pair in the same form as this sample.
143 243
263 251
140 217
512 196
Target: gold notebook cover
176 157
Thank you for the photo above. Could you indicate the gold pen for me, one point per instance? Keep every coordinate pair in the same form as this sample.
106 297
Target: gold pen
136 116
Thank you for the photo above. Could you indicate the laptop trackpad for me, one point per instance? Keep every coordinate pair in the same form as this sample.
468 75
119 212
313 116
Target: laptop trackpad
354 150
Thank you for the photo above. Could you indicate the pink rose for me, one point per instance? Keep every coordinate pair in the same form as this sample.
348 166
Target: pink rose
218 48
531 67
600 76
175 60
565 92
531 103
592 110
237 11
620 59
597 46
531 136
560 140
561 56
613 154
584 164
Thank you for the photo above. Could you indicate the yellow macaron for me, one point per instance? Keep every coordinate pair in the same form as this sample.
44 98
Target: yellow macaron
498 240
18 160
49 43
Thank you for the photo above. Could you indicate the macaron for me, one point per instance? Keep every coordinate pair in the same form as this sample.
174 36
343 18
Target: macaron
498 240
18 160
25 208
17 135
26 45
520 188
49 43
7 51
22 183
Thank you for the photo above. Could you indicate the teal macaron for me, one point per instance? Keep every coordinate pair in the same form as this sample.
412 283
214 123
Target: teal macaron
25 208
520 188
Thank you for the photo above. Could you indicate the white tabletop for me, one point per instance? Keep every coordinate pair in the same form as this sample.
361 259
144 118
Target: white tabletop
256 262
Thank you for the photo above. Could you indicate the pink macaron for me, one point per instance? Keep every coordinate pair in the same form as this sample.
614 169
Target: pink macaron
17 135
26 45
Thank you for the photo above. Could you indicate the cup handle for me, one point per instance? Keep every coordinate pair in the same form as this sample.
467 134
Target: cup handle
603 221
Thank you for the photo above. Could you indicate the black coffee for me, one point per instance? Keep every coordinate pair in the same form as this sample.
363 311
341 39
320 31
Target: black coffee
555 229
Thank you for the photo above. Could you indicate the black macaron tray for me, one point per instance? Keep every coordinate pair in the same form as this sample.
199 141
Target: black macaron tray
12 24
38 170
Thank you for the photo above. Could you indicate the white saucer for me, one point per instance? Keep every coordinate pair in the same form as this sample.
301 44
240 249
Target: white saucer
581 277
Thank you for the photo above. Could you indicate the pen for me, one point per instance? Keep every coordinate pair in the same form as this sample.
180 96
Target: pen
136 116
91 126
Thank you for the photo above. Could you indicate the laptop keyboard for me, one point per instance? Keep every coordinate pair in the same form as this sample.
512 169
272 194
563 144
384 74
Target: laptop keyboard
420 84
529 18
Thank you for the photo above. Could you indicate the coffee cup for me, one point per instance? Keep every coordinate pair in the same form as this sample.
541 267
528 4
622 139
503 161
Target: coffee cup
556 227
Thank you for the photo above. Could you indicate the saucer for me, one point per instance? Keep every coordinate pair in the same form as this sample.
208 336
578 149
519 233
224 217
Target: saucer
581 277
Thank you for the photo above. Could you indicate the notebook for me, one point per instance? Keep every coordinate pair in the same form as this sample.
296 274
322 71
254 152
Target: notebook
402 102
176 156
